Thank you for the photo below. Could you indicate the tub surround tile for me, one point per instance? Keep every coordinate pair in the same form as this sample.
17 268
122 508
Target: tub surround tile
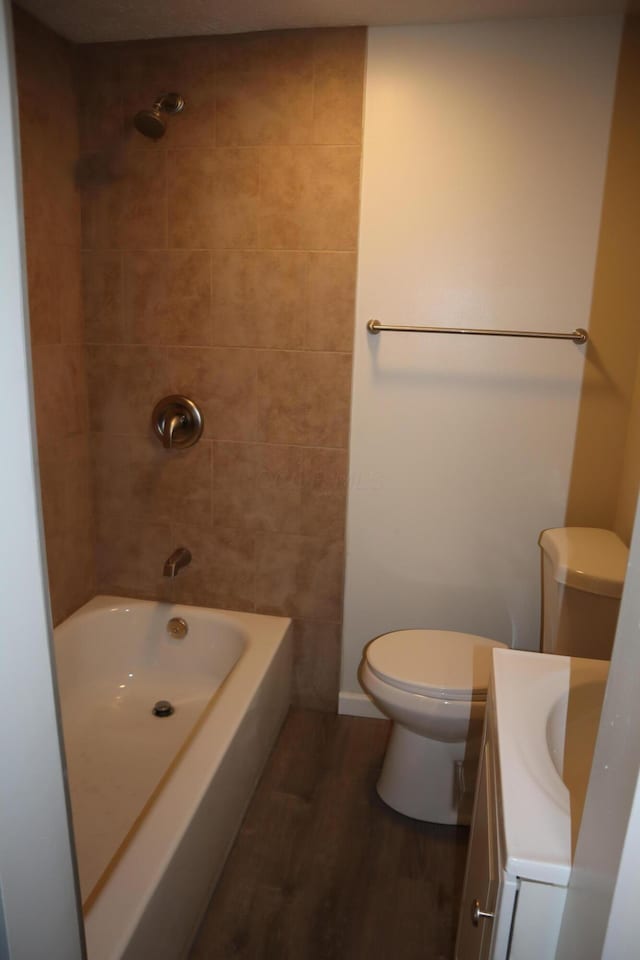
286 489
170 485
309 197
50 194
48 132
220 262
125 201
67 510
332 294
266 88
167 297
110 477
102 282
55 293
191 212
257 486
284 299
49 141
328 399
60 391
222 571
70 294
233 485
136 478
71 555
299 576
259 298
39 212
316 664
55 462
282 392
43 60
130 555
304 398
339 61
324 492
44 313
99 91
72 586
223 381
125 383
213 200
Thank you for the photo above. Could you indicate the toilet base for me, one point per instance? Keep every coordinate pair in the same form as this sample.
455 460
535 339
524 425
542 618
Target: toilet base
424 778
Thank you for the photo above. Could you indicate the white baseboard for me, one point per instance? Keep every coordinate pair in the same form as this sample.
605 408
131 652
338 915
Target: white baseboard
357 705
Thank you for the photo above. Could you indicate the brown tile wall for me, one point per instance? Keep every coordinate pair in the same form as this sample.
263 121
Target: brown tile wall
49 147
220 262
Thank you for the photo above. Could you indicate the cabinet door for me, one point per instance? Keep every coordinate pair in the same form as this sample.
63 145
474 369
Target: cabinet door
481 875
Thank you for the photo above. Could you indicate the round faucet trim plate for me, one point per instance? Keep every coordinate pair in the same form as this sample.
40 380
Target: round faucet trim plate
177 421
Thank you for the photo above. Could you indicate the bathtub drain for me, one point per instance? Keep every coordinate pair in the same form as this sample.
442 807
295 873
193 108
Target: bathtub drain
162 708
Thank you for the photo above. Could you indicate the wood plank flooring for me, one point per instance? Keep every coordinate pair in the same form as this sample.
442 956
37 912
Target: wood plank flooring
323 870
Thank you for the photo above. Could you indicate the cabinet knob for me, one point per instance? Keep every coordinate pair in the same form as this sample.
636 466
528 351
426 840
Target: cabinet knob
477 913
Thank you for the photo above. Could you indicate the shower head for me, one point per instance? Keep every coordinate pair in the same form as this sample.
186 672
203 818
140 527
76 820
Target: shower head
151 123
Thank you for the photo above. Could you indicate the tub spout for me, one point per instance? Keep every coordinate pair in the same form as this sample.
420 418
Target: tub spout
178 559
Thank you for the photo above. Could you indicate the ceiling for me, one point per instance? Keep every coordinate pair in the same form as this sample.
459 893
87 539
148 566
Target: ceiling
84 21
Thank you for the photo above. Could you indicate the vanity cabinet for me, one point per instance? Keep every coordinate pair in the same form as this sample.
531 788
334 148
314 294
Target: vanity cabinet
503 915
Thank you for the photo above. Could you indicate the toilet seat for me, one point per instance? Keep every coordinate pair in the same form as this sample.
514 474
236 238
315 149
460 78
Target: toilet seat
441 664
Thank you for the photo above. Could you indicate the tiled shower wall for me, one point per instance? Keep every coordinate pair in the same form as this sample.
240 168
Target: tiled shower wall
49 147
219 262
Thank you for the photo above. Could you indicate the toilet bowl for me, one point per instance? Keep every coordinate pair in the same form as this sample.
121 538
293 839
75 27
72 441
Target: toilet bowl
433 685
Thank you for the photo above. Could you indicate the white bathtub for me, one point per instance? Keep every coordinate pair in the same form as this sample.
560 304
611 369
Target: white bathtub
157 801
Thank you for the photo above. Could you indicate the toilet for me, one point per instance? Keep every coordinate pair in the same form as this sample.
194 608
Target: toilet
433 683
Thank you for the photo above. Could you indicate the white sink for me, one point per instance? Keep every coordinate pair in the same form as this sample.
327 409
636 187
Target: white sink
572 728
547 716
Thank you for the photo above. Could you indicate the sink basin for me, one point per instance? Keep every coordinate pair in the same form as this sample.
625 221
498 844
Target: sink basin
547 715
572 728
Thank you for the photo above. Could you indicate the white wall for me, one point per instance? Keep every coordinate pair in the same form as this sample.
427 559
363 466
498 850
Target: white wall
601 919
484 158
37 885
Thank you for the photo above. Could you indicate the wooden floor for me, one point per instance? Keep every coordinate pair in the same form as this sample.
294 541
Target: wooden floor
323 870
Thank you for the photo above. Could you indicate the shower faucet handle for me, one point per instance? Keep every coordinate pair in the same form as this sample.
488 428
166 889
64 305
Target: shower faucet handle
177 421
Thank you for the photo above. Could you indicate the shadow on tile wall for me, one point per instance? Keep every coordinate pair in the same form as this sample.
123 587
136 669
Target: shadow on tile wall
48 116
220 262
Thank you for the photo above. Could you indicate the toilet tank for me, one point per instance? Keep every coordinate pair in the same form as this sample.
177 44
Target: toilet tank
583 570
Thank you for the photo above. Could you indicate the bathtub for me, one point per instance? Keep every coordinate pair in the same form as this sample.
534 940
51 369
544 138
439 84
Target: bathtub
157 800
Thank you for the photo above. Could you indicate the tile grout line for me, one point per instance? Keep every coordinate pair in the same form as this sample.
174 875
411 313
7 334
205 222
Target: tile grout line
132 345
125 248
222 440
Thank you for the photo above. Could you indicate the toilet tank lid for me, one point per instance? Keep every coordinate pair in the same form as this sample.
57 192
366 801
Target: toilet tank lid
587 559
